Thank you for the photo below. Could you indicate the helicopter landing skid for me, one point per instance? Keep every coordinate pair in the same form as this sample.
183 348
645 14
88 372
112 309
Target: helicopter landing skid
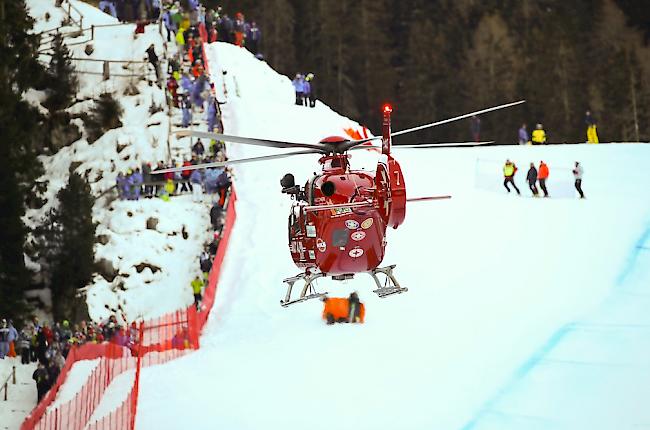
308 288
391 286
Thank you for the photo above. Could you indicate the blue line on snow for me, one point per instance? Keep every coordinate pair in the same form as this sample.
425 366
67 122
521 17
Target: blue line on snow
554 340
520 373
634 255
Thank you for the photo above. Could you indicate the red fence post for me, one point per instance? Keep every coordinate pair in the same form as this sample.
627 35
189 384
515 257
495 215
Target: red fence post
136 384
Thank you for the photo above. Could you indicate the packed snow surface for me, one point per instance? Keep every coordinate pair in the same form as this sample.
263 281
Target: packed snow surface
494 281
21 397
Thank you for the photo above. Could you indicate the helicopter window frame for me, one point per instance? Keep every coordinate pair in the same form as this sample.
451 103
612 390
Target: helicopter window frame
310 189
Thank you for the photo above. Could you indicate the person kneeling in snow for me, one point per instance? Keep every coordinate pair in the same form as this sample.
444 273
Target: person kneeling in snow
340 309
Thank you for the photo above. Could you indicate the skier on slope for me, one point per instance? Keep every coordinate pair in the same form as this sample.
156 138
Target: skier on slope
531 177
578 171
542 176
509 170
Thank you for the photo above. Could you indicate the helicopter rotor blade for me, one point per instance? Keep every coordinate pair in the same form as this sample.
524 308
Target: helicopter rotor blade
456 118
353 143
445 145
424 199
429 145
236 161
253 141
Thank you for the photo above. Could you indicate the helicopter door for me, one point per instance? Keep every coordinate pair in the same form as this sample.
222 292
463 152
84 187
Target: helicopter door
302 236
398 193
383 192
390 191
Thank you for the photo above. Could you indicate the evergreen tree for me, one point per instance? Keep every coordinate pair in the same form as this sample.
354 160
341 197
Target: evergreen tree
438 59
104 116
61 78
68 247
19 134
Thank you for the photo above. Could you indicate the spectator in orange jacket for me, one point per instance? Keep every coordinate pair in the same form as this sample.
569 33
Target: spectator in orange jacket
339 309
542 175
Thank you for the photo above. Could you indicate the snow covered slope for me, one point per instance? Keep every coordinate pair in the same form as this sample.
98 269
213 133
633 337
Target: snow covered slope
21 396
491 277
152 267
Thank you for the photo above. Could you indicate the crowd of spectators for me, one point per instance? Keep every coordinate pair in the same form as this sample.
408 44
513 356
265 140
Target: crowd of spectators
180 16
49 345
145 182
132 10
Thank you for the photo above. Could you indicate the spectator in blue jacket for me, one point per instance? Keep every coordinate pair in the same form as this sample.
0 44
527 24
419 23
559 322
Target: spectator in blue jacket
212 113
196 179
199 86
523 135
210 180
186 82
120 183
4 339
186 108
108 6
299 87
137 183
307 92
253 38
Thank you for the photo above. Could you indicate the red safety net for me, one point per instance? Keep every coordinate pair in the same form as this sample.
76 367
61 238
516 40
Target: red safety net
157 341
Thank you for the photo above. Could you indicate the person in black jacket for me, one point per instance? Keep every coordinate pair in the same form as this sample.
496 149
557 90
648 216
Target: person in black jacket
153 59
216 216
42 379
532 179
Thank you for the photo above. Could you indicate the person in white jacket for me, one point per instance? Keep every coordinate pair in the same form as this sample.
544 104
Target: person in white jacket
578 171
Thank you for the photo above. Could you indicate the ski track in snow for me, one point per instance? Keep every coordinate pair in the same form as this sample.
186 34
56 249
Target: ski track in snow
491 278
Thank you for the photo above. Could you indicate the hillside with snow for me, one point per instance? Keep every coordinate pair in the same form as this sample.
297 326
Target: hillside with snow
495 282
146 271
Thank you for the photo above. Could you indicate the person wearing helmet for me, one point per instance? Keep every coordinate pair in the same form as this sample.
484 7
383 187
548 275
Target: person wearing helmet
539 135
312 93
509 170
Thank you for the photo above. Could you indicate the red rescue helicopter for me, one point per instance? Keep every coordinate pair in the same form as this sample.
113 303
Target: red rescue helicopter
338 220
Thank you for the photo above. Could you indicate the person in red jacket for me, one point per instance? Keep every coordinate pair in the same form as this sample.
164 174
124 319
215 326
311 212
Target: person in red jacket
542 175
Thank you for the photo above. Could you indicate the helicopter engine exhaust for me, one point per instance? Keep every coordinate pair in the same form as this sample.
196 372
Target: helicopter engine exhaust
328 188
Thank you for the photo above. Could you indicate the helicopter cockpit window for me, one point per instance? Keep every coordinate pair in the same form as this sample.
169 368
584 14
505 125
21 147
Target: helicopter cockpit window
340 237
294 220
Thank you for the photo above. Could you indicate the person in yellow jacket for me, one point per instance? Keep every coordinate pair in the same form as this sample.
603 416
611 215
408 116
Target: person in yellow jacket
509 170
590 121
197 287
539 135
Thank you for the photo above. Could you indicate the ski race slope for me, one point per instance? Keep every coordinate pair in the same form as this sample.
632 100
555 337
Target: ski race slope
496 283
